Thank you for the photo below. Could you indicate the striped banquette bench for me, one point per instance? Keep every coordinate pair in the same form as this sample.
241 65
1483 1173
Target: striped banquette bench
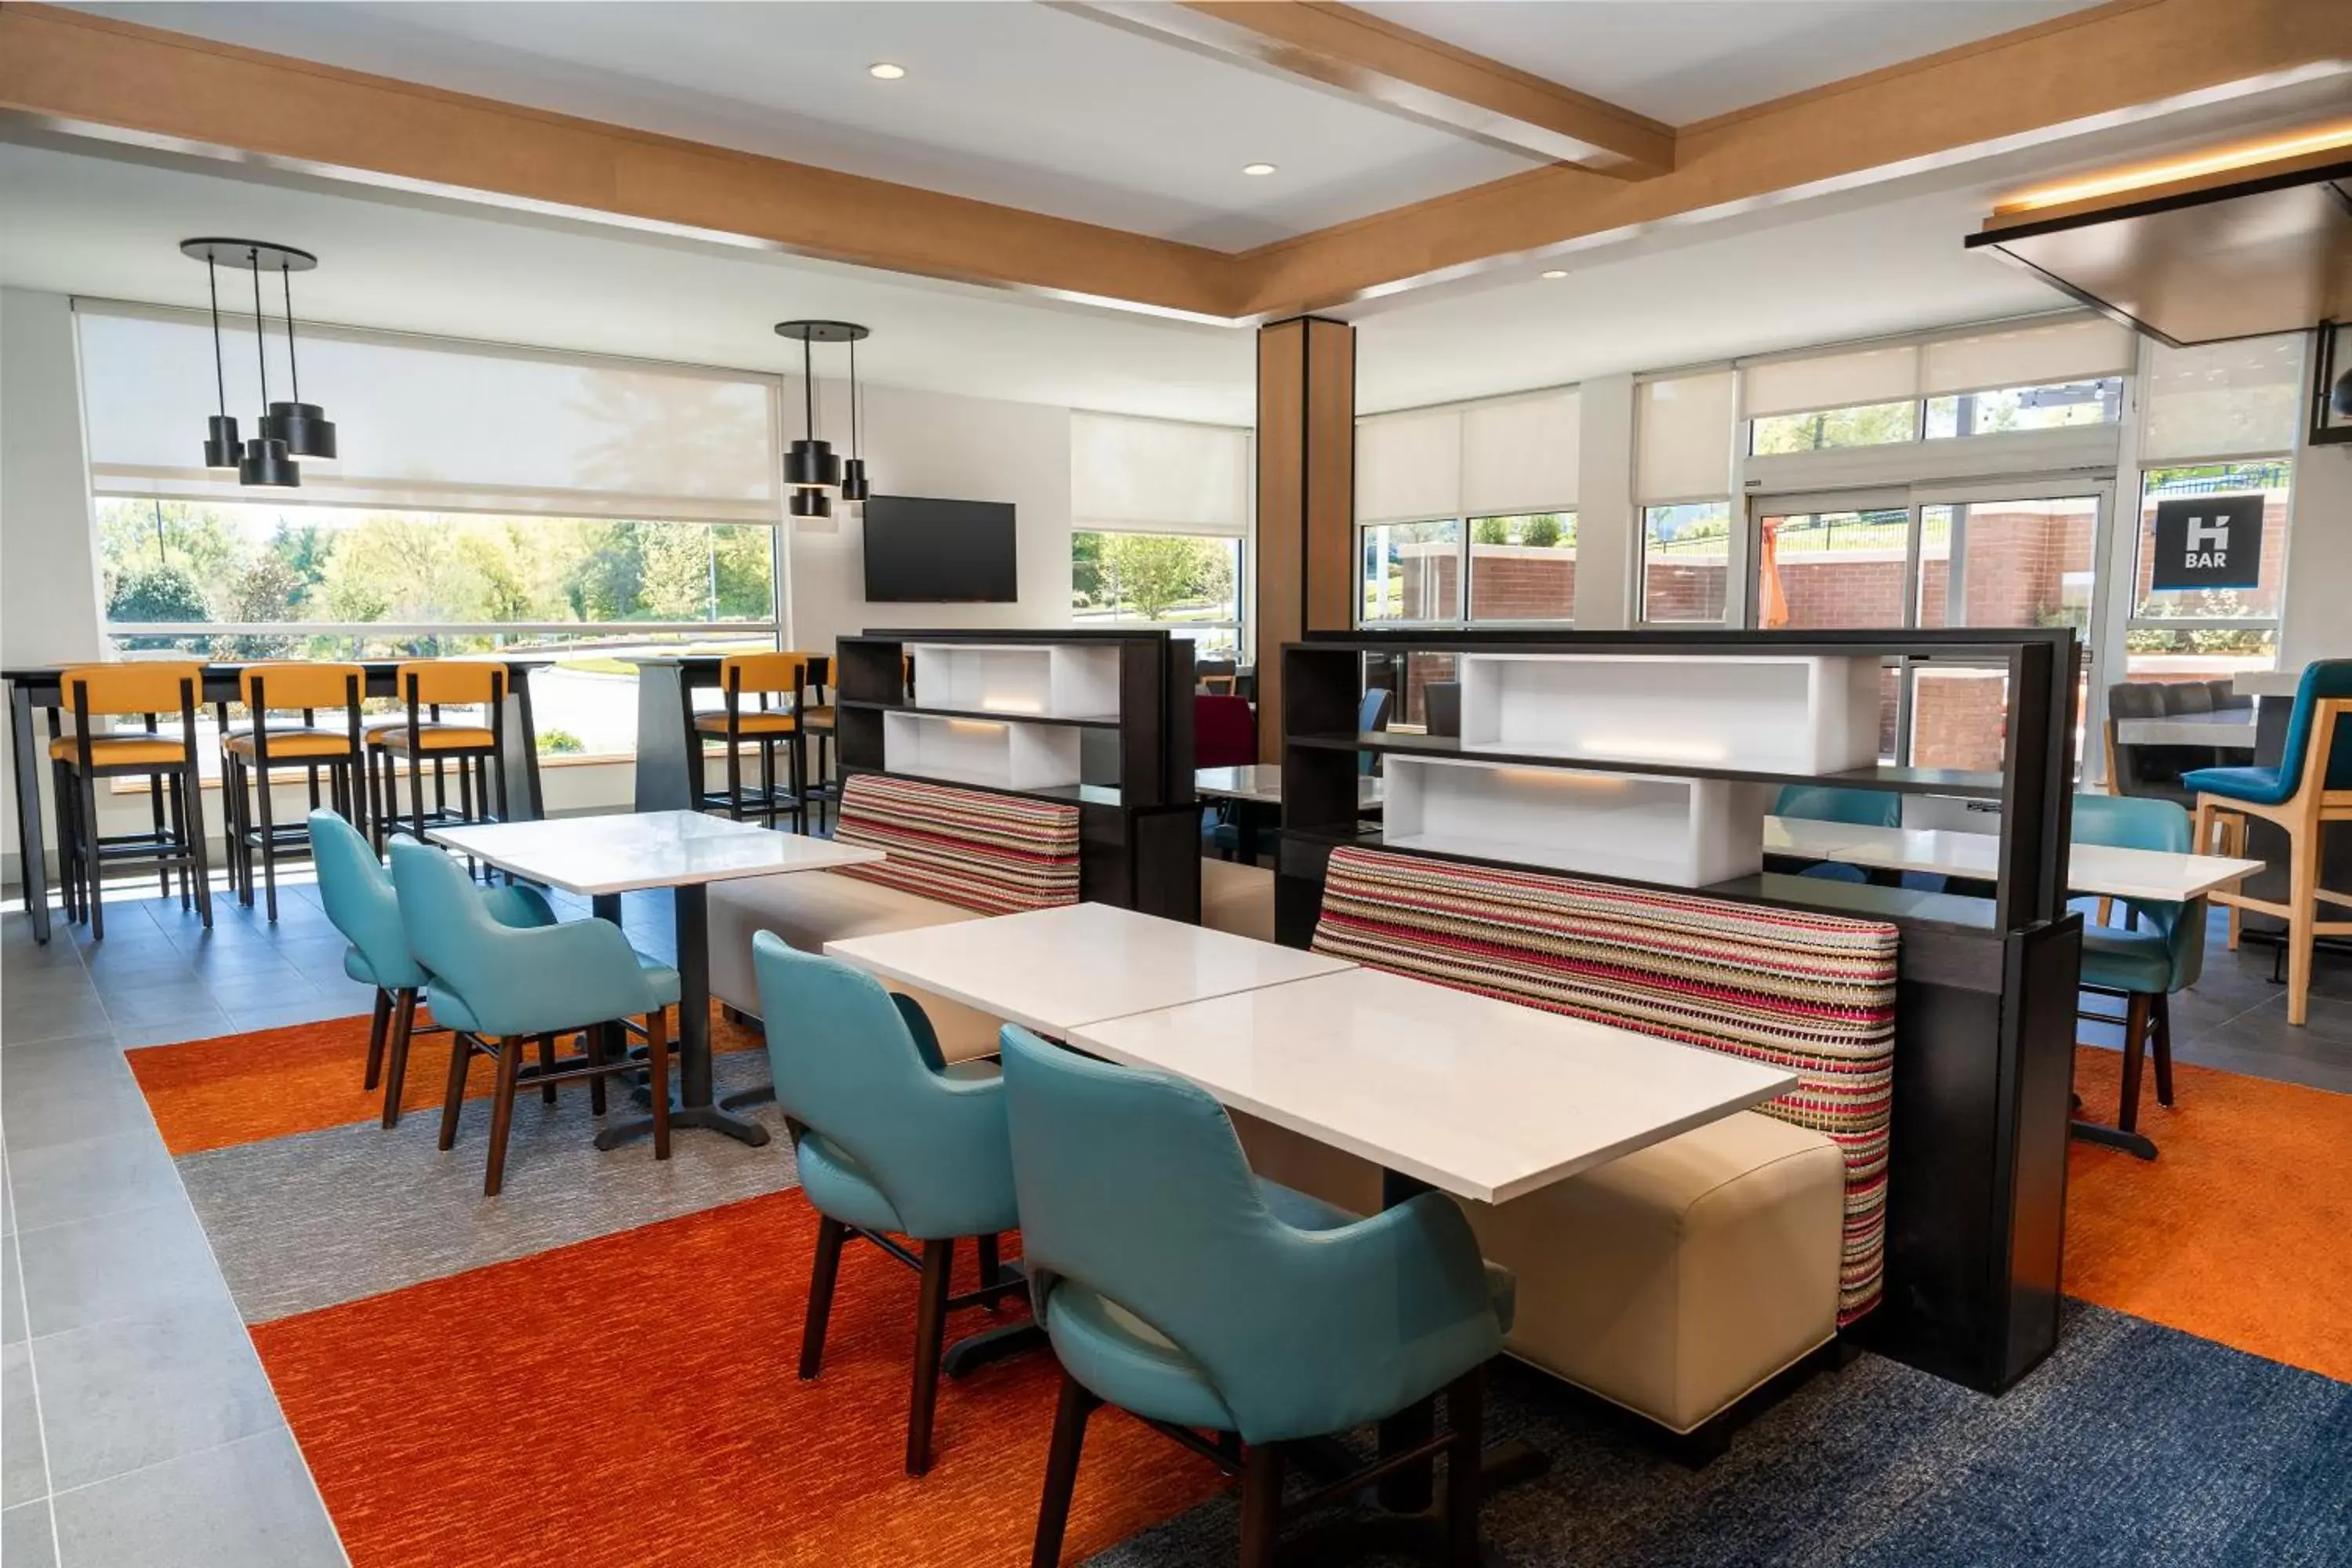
954 854
1678 1279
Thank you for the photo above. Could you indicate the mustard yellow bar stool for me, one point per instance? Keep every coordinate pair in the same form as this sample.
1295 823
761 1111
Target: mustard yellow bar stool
2309 790
428 744
146 689
249 758
766 676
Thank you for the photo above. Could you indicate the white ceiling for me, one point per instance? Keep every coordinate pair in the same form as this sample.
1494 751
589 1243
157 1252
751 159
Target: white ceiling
1681 60
1007 103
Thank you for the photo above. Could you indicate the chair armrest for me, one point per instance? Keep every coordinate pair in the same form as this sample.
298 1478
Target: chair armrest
558 977
953 1174
515 905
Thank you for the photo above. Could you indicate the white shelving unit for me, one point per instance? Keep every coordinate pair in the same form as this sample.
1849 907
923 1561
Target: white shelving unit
987 753
1772 715
1053 680
1686 833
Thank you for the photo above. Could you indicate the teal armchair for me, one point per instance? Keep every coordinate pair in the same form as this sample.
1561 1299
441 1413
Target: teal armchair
890 1140
1176 1285
498 987
361 902
2159 951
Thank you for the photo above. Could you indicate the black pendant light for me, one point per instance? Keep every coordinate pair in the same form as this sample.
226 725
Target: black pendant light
810 465
303 427
220 429
854 486
266 458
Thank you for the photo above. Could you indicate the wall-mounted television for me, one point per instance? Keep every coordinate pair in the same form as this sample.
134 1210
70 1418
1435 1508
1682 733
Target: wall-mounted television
920 550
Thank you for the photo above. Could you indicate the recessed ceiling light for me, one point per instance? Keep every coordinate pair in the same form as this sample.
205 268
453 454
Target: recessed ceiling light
885 71
1557 272
1257 168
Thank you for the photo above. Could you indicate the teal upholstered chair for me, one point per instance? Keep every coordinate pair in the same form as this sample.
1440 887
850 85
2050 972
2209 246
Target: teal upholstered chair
2310 789
358 893
1177 1285
1820 803
2158 953
498 987
890 1140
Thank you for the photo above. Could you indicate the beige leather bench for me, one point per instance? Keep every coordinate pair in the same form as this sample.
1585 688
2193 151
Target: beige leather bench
953 855
1678 1279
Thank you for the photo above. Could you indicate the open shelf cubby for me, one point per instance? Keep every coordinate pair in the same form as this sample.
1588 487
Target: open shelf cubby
988 752
1682 832
1039 680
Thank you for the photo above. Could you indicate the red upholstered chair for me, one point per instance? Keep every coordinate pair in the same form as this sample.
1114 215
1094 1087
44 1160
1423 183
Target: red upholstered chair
1224 732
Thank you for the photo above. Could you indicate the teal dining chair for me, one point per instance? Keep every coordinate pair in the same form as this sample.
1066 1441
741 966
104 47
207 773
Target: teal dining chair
890 1140
2309 791
498 987
2160 951
1820 803
1176 1285
360 903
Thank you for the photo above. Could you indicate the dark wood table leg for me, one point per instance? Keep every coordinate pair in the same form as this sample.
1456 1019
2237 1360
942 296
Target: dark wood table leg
693 1106
31 847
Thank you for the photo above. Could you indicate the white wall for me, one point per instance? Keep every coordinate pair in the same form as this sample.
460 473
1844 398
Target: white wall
1607 523
2318 559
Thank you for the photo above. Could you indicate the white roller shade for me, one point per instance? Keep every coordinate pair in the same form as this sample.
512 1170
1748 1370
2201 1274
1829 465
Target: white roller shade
1156 476
2044 353
2222 400
1409 466
1519 455
1682 441
429 423
1830 381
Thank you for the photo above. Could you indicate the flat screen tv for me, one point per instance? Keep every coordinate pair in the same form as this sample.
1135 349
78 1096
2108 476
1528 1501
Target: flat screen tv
923 551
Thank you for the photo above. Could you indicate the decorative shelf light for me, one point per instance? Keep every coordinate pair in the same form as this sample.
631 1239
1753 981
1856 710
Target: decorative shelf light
1054 681
1685 833
1010 755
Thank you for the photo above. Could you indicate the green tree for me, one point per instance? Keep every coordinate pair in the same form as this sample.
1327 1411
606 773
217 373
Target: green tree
503 593
1542 531
305 547
1490 530
1086 570
157 593
1870 424
1149 573
267 590
139 535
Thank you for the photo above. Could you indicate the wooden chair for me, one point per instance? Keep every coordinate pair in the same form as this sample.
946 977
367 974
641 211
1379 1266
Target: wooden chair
425 687
2310 788
253 754
764 675
168 764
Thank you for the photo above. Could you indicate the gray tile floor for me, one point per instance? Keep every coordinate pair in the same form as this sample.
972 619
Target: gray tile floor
136 1426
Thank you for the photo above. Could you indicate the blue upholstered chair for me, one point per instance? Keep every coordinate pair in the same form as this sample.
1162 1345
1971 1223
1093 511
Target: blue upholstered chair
2310 788
890 1140
1177 1285
2161 950
1820 803
358 893
498 986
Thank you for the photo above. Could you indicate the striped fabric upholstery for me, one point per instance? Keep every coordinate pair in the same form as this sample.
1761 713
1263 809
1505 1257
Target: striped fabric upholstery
996 854
1814 995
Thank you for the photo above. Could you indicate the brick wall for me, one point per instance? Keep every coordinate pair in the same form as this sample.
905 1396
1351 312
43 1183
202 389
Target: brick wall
1509 583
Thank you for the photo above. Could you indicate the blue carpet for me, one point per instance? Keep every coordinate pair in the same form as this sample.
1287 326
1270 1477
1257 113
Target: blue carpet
2135 1445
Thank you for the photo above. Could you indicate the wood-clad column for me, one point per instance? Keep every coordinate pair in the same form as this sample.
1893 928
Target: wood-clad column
1305 496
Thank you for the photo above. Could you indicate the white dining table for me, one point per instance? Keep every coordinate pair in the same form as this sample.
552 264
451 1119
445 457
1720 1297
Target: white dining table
1261 783
2106 871
1054 970
601 857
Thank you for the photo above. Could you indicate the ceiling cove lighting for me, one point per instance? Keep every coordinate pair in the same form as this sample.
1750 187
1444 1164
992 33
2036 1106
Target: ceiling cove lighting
882 70
2213 160
810 467
268 458
1258 170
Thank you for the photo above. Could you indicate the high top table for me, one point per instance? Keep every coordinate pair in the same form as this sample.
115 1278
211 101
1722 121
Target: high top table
601 857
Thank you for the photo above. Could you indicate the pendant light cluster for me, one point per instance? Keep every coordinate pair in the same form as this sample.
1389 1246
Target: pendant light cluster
810 468
290 430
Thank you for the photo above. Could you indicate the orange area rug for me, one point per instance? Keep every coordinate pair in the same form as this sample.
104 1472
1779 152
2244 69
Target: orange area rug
274 1083
634 1400
2240 1230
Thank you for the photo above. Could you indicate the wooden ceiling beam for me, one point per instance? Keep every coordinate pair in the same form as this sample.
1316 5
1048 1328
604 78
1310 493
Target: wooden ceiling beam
66 72
1404 72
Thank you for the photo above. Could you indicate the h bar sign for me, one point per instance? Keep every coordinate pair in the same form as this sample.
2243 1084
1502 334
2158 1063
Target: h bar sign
2208 542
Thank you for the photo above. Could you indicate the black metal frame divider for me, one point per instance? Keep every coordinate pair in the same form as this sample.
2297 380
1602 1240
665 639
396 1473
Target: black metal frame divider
1986 988
1139 836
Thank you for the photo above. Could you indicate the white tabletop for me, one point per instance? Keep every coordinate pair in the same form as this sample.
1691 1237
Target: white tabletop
1261 783
2109 872
626 851
2266 682
1055 969
1484 1098
2233 728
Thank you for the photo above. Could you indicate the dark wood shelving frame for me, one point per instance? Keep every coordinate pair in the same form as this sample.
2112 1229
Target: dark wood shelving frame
1139 837
1986 988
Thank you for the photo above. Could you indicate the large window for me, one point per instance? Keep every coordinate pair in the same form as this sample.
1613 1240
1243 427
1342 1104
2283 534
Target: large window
239 581
1188 583
1686 559
1518 570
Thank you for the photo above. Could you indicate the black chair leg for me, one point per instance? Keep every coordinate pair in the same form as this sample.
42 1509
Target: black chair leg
268 824
2162 1008
989 1267
930 1331
378 1029
86 791
163 835
1261 1504
547 1065
395 1079
2135 1050
461 1057
1465 1415
1061 1471
830 1235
